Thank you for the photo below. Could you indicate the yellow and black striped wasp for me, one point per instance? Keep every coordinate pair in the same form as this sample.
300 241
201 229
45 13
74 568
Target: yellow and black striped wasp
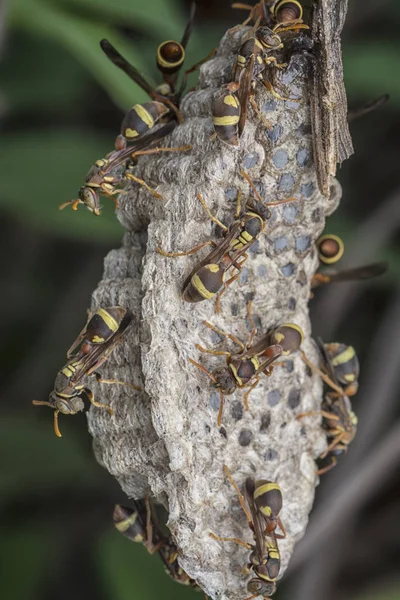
69 386
255 55
107 174
243 370
139 524
165 98
340 371
264 559
208 278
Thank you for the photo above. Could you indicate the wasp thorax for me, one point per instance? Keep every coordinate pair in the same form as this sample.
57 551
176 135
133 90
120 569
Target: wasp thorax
263 588
268 38
90 199
288 10
224 380
289 336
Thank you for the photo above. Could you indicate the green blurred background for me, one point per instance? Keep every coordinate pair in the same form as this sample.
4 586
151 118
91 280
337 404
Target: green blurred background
61 103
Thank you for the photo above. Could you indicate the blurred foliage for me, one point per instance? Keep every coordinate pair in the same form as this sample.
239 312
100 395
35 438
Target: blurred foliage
59 94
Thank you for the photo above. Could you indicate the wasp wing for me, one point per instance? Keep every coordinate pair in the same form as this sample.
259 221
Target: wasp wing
243 93
119 61
358 273
255 517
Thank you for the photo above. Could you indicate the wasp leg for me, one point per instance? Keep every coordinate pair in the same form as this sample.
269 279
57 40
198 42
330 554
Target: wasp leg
332 464
117 382
253 325
283 535
319 279
150 547
239 494
333 444
213 352
237 266
230 539
323 376
90 396
221 408
259 113
188 252
199 366
247 394
317 413
209 213
145 185
158 150
271 60
225 334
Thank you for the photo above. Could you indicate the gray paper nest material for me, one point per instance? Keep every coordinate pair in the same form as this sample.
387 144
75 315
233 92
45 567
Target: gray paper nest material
165 441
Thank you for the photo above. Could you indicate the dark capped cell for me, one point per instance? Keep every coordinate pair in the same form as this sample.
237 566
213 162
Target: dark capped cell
265 422
303 243
234 310
316 215
290 213
262 271
237 411
214 401
231 193
303 157
274 397
280 159
307 189
254 248
302 278
289 366
250 160
271 454
281 243
286 182
275 133
244 275
245 437
288 269
292 302
269 106
294 398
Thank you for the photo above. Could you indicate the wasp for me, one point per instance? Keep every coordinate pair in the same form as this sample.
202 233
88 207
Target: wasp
139 524
108 173
209 276
165 98
340 371
69 388
255 55
264 559
242 370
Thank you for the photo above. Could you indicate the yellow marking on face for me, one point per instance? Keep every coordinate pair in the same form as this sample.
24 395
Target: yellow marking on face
225 121
344 356
165 63
231 100
108 319
258 43
144 115
130 133
200 287
241 60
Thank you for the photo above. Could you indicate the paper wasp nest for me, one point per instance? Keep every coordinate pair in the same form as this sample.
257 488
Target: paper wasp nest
165 441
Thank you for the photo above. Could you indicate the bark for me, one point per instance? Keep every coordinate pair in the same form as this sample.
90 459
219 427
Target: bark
165 440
